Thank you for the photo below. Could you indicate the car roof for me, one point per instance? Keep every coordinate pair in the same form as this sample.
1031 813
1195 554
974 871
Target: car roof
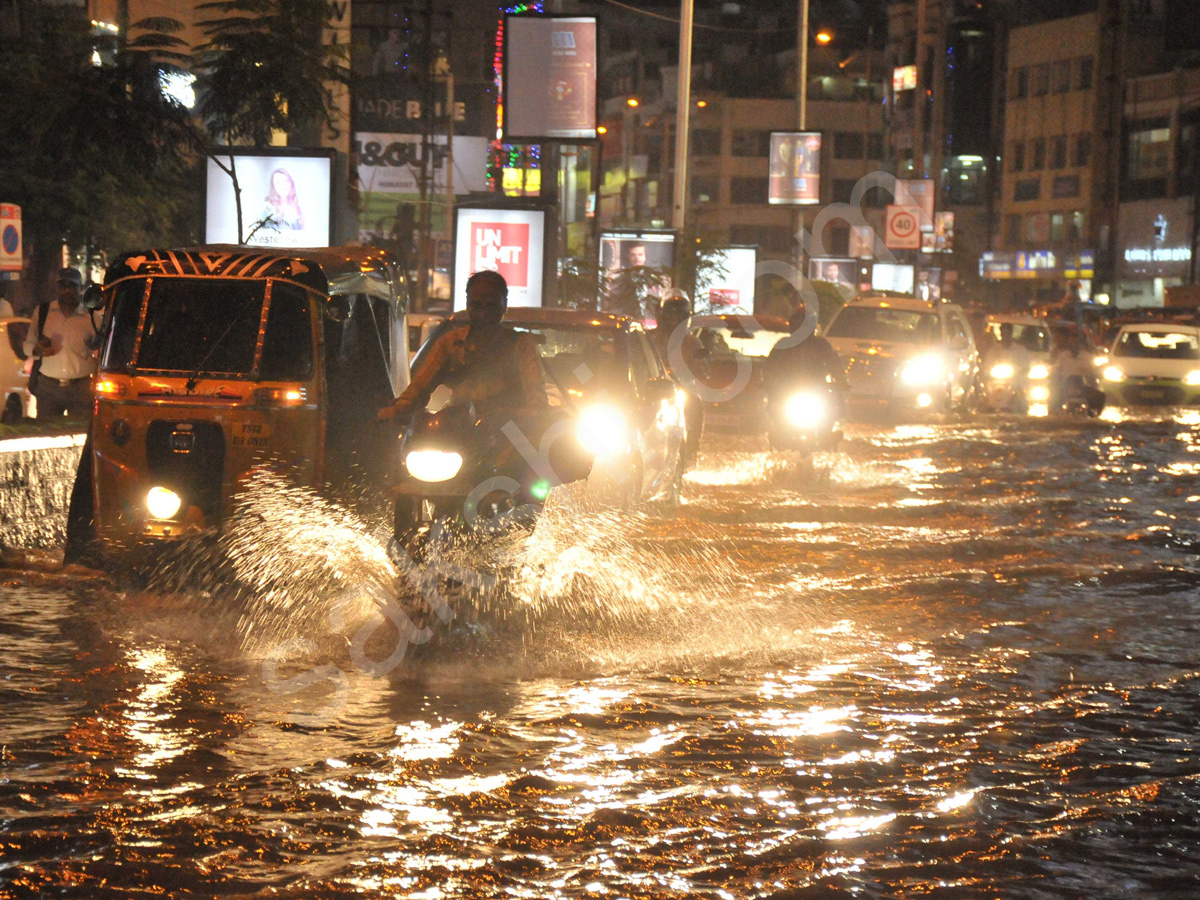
537 315
1017 320
889 301
1162 327
720 320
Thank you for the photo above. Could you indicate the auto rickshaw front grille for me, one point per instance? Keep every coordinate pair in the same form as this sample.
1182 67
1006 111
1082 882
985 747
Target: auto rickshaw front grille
189 458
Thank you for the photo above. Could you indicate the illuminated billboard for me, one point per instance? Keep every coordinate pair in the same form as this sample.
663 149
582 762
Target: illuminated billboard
892 278
635 269
836 271
549 78
904 78
508 241
731 290
795 173
286 198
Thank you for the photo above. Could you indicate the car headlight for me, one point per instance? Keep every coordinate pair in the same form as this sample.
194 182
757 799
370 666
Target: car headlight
1113 373
1039 371
162 502
1099 361
1002 371
805 409
433 465
602 430
1192 378
922 370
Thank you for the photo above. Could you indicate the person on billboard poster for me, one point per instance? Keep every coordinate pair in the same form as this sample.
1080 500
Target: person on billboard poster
282 206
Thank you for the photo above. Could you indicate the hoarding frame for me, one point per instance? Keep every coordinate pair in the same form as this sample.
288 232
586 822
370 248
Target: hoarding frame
753 281
816 201
214 153
511 138
549 236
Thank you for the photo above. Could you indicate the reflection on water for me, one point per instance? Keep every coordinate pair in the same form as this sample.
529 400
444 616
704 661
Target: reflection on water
949 659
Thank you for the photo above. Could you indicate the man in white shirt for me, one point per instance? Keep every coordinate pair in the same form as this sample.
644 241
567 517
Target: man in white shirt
64 345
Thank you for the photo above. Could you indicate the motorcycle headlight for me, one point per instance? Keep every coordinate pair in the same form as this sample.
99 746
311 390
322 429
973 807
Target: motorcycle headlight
922 370
1039 393
162 502
804 410
433 465
1039 371
1002 371
1192 378
602 430
1114 374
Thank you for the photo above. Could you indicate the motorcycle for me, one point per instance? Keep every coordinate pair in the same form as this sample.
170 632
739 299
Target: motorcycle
806 418
463 471
1080 396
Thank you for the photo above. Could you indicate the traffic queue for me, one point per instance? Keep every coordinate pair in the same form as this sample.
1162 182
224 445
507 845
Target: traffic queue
216 364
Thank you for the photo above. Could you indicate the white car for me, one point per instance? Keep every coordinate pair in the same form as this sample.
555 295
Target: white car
905 354
18 402
1154 364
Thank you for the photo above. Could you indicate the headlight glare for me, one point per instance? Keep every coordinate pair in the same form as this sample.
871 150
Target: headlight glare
1192 378
804 410
433 465
1002 371
602 430
1039 393
922 370
1114 374
1039 371
162 502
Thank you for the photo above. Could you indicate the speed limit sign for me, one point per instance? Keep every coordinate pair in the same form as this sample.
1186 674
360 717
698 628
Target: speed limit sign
903 230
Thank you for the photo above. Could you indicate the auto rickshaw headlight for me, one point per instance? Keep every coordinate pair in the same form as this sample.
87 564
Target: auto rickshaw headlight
433 465
162 502
1039 371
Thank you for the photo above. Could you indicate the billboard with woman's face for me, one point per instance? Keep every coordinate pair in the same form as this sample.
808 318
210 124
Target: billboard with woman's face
285 200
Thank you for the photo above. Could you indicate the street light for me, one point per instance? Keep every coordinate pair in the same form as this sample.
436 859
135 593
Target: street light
824 36
632 102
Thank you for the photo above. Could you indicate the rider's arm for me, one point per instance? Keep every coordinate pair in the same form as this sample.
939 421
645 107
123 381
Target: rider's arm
425 379
533 379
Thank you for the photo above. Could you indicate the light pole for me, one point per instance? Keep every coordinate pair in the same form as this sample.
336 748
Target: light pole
801 112
683 109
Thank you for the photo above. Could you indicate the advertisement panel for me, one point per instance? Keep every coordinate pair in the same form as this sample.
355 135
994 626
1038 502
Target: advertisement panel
549 78
508 241
635 268
795 173
904 78
837 271
389 169
286 199
733 290
892 278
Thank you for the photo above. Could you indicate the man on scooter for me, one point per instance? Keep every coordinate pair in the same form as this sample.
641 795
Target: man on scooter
802 362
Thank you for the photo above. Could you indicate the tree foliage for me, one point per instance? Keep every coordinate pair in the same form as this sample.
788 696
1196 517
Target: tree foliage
95 155
265 68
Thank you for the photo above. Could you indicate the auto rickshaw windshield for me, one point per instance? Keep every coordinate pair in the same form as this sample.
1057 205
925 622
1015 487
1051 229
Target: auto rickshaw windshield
210 325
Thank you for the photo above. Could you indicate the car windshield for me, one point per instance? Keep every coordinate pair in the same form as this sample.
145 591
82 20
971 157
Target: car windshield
1157 345
735 340
211 325
581 359
1035 338
876 324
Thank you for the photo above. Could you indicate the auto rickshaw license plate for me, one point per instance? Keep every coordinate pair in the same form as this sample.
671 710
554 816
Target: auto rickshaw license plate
251 434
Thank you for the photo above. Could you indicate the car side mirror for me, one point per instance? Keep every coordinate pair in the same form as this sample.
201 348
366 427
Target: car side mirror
93 297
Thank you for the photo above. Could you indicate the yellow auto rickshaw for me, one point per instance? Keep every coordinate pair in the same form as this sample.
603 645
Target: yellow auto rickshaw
220 361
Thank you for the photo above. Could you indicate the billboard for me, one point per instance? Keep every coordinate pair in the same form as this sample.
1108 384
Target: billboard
795 173
635 268
286 199
893 278
904 78
733 290
549 78
508 241
838 271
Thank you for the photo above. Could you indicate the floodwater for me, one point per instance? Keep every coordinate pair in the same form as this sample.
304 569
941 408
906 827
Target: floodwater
956 660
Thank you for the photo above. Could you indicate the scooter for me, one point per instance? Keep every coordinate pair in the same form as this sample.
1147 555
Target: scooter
1081 396
805 418
463 471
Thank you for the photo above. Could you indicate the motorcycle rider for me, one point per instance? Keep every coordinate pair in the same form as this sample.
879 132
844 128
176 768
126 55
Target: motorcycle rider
496 369
1073 376
793 363
674 310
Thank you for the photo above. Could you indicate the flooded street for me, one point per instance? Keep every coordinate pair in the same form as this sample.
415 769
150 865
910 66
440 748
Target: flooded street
958 660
